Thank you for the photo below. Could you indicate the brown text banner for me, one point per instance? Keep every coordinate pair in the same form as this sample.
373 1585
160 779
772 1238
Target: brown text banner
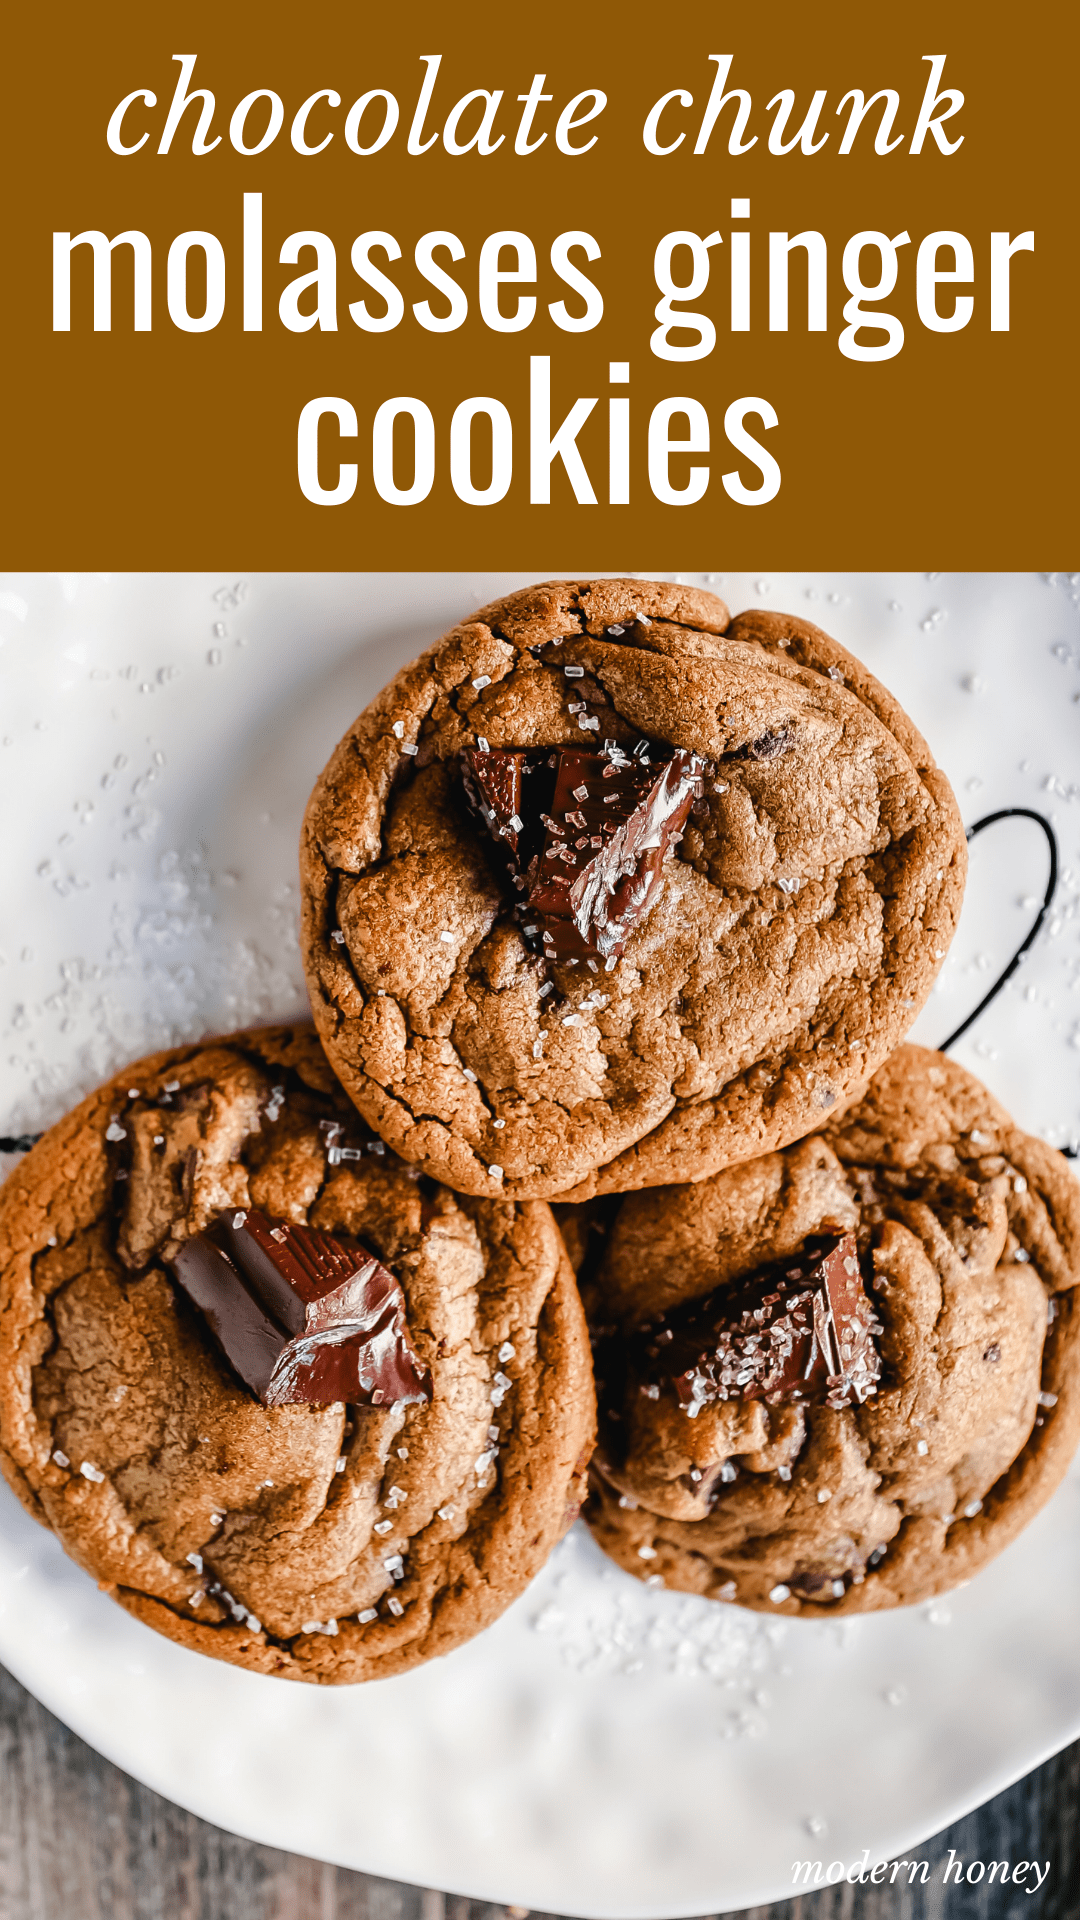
423 287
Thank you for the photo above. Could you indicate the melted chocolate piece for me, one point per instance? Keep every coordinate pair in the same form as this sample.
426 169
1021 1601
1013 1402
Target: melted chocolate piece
768 746
510 789
302 1315
813 1584
496 792
251 1341
607 822
802 1330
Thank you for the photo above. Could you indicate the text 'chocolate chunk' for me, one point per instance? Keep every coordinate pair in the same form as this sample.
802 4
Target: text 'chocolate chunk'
586 835
301 1315
801 1331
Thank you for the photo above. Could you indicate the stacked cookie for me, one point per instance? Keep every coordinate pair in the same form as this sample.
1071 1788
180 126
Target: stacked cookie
722 966
607 895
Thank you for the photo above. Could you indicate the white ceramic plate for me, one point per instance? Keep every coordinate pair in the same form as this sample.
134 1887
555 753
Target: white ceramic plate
605 1749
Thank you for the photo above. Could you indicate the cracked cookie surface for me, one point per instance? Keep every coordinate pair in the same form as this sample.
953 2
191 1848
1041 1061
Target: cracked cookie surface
969 1242
797 931
259 1534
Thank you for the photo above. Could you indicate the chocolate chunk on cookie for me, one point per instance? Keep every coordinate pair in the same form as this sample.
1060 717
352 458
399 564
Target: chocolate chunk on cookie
302 1316
799 1331
608 888
289 1401
590 878
842 1376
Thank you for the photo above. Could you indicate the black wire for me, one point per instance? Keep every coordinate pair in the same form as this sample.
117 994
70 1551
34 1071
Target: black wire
990 819
18 1142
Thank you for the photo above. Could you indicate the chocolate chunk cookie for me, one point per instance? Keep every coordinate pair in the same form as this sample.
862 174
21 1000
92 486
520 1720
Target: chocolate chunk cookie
843 1376
608 889
290 1402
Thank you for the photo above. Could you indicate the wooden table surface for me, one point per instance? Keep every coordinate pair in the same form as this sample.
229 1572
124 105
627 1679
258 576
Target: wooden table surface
79 1840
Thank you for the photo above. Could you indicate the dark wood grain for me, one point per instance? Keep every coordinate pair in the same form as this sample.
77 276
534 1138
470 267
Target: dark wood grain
79 1840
